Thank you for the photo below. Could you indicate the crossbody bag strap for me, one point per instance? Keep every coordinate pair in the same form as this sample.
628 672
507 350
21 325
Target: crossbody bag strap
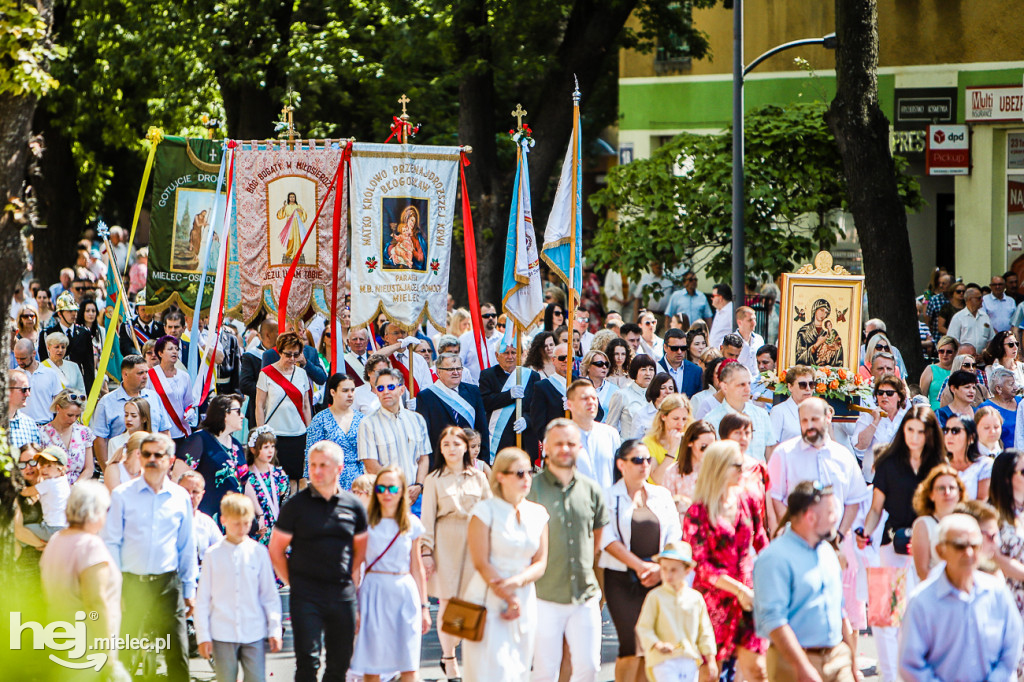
379 556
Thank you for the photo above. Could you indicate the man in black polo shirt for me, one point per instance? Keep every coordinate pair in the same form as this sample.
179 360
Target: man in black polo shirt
326 529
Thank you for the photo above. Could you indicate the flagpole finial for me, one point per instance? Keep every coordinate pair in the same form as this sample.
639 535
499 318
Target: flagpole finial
518 114
576 93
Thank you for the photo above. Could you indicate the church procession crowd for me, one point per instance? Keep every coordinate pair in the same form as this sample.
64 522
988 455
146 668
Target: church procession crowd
634 459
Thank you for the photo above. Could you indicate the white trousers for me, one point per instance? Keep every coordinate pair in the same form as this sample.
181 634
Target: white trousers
580 624
887 639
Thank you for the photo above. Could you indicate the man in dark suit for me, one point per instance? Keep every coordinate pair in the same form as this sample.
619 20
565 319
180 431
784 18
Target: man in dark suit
685 374
497 397
146 323
548 401
451 401
79 338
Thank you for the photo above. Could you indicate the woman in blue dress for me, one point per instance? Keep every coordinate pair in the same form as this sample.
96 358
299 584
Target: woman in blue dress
339 424
215 454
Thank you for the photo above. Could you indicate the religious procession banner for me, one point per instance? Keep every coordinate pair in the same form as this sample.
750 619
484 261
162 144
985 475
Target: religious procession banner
403 206
184 184
279 194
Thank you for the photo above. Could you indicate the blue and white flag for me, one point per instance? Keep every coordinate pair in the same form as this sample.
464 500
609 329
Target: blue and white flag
563 243
522 292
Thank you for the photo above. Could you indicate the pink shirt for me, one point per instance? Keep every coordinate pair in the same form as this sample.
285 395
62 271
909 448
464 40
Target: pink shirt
69 554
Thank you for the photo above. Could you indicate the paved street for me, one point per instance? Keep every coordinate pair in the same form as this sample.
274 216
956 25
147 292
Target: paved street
281 667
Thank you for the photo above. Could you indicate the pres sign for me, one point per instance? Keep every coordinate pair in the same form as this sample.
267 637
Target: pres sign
948 150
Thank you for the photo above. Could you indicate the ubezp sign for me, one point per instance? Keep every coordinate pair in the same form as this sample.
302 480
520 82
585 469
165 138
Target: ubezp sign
949 150
994 103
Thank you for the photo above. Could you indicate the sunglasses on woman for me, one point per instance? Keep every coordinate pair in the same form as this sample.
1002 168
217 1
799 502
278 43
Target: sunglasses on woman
521 473
952 430
887 392
599 363
639 461
393 489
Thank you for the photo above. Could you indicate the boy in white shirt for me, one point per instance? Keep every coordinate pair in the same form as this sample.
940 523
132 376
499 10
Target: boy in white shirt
237 610
53 489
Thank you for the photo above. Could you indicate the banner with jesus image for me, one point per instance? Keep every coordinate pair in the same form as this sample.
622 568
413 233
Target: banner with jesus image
277 192
403 206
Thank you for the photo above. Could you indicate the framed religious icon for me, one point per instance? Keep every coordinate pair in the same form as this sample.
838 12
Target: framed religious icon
819 321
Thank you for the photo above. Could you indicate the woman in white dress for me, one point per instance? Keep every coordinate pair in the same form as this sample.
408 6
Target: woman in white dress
508 542
393 609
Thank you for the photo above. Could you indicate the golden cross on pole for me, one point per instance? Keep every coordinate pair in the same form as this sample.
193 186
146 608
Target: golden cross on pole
518 115
403 100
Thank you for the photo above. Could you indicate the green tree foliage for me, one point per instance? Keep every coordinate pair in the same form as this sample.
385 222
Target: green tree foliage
25 50
676 206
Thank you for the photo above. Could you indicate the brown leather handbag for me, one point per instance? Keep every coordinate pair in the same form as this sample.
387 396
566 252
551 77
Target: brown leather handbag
464 619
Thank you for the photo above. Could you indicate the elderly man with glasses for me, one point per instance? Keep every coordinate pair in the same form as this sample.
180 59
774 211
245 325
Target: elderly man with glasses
972 324
149 532
453 402
960 623
22 428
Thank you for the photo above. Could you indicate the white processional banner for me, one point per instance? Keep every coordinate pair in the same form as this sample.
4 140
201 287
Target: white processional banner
403 201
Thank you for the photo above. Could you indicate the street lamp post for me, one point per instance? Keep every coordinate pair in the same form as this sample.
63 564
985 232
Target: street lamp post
738 74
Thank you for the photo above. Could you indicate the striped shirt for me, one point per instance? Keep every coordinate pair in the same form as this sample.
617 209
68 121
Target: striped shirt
395 438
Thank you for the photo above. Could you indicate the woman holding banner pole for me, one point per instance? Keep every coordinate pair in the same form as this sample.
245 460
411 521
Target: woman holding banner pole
283 401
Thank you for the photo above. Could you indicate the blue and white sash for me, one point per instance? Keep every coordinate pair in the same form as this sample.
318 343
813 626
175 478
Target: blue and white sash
500 418
558 382
456 402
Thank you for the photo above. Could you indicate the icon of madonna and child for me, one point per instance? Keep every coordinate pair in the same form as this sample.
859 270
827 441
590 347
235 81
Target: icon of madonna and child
818 342
404 241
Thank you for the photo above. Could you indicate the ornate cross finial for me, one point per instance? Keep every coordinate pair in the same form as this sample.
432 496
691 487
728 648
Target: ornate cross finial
403 100
518 114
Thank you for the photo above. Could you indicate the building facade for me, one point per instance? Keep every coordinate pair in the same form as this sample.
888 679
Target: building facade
940 62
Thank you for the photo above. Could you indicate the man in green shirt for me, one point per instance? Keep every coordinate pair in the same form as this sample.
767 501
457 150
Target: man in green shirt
568 596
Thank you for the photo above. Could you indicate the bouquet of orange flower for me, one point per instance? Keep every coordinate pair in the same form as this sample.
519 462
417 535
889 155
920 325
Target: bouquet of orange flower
836 383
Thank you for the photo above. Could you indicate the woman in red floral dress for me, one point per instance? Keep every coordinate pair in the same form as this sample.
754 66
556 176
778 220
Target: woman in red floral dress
725 529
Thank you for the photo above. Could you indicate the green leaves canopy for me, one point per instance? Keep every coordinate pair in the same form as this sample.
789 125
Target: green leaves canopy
676 206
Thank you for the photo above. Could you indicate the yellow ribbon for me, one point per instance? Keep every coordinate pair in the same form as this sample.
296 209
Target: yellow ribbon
155 135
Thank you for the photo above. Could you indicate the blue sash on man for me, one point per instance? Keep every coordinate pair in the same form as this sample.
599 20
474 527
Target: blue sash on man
458 405
500 418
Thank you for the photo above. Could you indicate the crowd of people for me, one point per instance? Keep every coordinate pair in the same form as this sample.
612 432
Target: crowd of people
633 458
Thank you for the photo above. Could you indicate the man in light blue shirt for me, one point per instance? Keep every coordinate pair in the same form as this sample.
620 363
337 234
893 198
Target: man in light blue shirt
108 419
150 535
798 594
690 302
960 624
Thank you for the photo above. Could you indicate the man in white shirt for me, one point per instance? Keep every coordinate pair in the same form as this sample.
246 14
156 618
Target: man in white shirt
734 380
467 346
721 301
600 442
581 325
366 395
998 305
399 346
813 456
972 324
652 344
656 275
785 416
752 341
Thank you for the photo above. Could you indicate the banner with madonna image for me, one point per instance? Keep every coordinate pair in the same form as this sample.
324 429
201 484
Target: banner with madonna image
184 210
403 202
280 192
